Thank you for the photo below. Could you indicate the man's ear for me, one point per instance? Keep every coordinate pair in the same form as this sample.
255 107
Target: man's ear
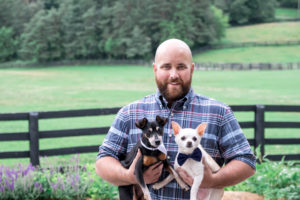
176 128
161 120
141 123
154 67
201 128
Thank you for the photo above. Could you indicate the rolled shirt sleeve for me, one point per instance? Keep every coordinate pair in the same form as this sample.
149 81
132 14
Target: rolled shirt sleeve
233 143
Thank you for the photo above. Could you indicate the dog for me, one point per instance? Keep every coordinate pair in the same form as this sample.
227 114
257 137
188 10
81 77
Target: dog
153 151
189 157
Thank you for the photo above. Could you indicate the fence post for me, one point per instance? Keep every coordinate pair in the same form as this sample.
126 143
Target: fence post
260 129
34 138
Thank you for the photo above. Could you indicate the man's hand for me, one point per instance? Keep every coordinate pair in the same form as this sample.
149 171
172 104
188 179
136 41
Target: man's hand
151 175
207 176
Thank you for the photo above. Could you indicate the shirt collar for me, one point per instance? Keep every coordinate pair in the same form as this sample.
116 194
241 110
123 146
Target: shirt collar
183 102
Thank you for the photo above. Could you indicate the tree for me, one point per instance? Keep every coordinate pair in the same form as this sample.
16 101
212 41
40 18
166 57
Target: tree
251 11
42 39
7 44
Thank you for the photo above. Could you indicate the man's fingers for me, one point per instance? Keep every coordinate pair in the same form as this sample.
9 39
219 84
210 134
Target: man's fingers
138 155
156 165
185 176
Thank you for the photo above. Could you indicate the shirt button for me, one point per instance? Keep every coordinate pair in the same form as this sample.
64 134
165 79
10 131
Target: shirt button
168 157
170 135
172 114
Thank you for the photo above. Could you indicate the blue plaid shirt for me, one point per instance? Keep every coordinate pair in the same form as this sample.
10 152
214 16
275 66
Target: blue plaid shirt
223 138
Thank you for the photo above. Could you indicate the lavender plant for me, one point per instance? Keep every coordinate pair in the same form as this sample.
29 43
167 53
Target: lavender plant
70 181
19 183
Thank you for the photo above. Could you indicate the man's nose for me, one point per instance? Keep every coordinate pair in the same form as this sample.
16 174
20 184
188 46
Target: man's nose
173 74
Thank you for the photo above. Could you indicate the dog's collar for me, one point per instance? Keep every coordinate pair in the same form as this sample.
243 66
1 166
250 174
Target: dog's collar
161 148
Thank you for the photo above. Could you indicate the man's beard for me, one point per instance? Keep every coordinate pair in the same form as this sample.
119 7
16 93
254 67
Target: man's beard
173 94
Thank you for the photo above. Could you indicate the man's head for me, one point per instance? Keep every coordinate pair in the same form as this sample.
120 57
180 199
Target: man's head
173 69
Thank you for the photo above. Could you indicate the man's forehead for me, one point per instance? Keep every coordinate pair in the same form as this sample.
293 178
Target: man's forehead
173 47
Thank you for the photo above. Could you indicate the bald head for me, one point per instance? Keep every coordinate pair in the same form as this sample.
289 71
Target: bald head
173 45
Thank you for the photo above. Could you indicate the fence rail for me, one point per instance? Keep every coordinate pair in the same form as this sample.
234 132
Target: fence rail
34 135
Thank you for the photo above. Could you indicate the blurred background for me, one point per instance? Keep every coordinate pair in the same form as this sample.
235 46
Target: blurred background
84 54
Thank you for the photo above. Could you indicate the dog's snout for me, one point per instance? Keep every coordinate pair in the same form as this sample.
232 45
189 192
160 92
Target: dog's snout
157 142
189 144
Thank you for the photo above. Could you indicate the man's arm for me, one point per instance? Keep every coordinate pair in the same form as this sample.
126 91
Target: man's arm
231 174
112 171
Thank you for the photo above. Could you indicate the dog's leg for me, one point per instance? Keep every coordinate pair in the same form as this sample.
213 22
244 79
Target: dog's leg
181 183
164 182
195 186
216 194
140 178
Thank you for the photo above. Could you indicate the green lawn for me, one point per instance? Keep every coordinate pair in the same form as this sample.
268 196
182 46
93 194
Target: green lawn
286 13
64 88
269 32
281 54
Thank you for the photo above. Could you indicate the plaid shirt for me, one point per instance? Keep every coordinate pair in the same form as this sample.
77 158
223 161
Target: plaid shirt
223 138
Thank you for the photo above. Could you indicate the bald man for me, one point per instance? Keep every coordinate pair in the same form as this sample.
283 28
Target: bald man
174 99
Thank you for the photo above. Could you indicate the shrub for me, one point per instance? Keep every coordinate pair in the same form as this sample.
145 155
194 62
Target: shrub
273 180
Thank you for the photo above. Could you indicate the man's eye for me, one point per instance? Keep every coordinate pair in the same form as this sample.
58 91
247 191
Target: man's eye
165 67
181 67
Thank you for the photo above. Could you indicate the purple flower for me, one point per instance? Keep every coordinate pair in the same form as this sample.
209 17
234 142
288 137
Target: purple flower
11 185
53 186
8 173
36 184
1 188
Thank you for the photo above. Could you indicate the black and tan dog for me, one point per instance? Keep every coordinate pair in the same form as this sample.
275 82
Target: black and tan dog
153 151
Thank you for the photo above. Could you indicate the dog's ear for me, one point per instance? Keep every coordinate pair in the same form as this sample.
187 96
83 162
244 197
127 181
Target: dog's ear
161 120
201 128
176 128
141 123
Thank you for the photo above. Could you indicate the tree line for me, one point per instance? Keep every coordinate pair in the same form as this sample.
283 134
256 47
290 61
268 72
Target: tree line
52 30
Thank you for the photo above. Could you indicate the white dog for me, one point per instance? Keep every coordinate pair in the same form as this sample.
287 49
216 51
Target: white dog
189 157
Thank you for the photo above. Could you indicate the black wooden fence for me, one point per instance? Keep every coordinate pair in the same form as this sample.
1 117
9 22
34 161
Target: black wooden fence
33 135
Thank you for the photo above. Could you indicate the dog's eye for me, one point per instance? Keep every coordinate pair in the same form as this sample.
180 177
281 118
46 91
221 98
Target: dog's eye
183 138
195 139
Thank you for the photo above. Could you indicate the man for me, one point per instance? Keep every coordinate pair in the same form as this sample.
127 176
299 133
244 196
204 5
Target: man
175 99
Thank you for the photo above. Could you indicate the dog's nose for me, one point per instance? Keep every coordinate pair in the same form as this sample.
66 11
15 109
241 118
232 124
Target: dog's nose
189 144
157 142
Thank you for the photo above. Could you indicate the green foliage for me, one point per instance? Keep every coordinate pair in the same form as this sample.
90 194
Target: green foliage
7 44
251 11
17 13
273 180
41 40
288 3
132 29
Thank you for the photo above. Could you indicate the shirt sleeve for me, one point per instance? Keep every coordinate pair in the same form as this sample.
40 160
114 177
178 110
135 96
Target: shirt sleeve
234 145
116 140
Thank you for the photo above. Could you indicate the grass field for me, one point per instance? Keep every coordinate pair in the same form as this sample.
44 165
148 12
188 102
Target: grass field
260 33
286 13
64 88
269 32
280 54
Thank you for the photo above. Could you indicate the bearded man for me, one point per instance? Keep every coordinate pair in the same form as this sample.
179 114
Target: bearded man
175 99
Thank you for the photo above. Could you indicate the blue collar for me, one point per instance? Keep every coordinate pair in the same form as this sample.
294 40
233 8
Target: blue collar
196 155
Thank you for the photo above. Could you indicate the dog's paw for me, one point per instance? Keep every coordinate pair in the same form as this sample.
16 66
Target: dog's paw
156 186
147 197
184 186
